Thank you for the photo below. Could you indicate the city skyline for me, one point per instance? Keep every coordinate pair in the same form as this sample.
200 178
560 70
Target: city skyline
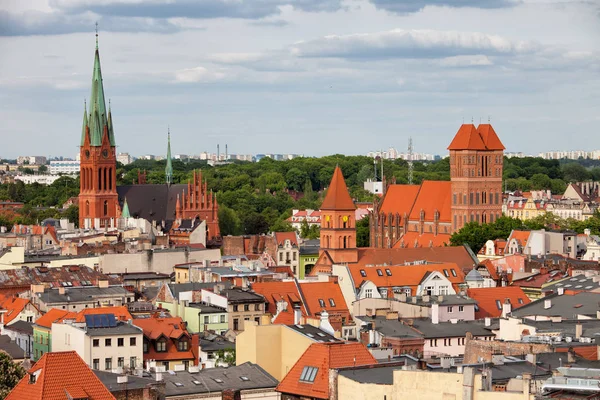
320 78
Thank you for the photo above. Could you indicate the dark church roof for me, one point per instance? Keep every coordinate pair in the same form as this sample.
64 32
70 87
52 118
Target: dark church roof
151 202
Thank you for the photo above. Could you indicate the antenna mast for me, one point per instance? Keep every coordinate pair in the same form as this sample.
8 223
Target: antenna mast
410 161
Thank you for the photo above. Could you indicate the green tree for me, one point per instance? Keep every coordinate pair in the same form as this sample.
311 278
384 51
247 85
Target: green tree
574 172
10 374
295 178
72 214
362 233
255 224
229 222
225 357
541 182
42 169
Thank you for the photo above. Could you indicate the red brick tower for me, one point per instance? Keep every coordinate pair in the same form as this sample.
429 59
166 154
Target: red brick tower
476 159
98 199
338 225
199 202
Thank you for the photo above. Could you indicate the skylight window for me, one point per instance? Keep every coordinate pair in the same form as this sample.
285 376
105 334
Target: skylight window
453 272
446 273
178 384
218 380
331 303
520 300
308 374
379 272
320 334
322 302
244 378
388 272
582 280
578 287
196 382
363 273
499 304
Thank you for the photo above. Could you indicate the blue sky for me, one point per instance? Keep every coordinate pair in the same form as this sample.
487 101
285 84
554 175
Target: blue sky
301 76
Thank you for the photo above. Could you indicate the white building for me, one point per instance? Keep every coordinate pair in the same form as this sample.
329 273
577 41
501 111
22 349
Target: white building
124 158
41 179
68 167
32 160
109 348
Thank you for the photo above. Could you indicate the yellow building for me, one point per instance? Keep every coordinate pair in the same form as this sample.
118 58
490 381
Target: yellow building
525 209
276 348
393 383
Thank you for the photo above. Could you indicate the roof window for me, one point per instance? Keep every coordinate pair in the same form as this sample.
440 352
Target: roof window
499 304
379 272
388 272
309 374
331 303
363 273
322 302
453 272
446 273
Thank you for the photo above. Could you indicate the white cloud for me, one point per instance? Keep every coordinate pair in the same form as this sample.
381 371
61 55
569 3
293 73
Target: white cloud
198 74
466 61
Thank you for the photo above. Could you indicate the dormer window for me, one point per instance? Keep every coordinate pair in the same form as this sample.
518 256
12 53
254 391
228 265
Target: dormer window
183 345
161 345
145 346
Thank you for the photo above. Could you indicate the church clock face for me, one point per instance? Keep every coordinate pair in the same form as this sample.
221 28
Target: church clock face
105 153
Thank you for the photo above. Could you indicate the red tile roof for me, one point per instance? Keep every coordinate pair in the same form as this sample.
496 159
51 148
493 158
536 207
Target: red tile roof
455 254
537 280
427 239
13 306
121 313
433 195
399 199
281 237
60 376
521 236
323 356
490 138
405 275
487 299
467 138
337 197
54 315
171 328
275 291
329 291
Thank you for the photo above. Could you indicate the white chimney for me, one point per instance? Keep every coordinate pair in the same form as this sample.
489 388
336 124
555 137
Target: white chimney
561 291
297 316
325 325
547 304
122 379
488 321
435 313
506 308
158 376
578 330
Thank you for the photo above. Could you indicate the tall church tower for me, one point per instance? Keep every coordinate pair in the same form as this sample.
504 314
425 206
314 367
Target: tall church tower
476 160
338 224
98 199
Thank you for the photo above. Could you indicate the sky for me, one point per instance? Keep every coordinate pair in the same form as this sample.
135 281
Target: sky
312 77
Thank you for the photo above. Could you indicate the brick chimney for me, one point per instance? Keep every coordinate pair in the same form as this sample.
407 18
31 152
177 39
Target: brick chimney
230 394
196 347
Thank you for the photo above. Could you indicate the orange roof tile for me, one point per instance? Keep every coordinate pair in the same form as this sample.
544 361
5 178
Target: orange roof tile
13 306
399 199
433 195
59 375
315 292
169 327
450 254
281 237
121 313
337 197
521 236
274 291
54 315
405 275
426 239
491 140
488 298
467 138
323 356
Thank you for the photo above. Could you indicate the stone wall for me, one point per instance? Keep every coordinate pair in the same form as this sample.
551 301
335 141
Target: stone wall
482 350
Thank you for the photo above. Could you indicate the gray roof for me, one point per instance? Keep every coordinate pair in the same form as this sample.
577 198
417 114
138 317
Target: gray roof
579 282
237 295
314 333
177 288
383 375
21 326
591 327
11 348
230 272
310 247
109 380
82 294
150 292
231 378
153 202
215 345
122 328
473 275
512 369
134 276
565 306
390 327
445 300
207 309
448 329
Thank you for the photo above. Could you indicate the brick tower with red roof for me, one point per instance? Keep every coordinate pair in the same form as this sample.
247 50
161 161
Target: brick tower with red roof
476 160
338 224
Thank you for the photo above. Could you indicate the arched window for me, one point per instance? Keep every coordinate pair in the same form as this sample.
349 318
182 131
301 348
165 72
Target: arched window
345 242
105 207
87 207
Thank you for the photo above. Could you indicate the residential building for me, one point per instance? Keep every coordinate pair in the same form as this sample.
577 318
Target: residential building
310 377
211 347
498 301
64 167
13 309
126 387
201 317
566 304
124 158
533 284
309 254
287 251
79 298
21 332
101 341
14 351
275 347
60 375
243 306
312 218
167 342
42 330
31 160
542 242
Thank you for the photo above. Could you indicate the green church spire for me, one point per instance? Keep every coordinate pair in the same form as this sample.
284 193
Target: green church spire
125 213
98 118
169 167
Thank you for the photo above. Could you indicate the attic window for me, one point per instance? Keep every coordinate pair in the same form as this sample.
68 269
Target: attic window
363 273
309 374
218 380
331 303
196 382
178 384
499 304
322 302
379 272
453 272
388 272
446 273
520 300
244 378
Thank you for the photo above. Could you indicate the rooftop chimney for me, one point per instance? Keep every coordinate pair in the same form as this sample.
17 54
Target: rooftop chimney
561 291
488 321
435 313
325 325
61 290
506 308
297 316
547 304
578 330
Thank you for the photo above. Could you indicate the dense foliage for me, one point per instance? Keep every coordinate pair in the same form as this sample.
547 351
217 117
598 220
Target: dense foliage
10 374
259 197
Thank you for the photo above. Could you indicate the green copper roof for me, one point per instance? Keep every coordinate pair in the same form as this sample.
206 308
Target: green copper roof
85 123
125 213
169 167
98 118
